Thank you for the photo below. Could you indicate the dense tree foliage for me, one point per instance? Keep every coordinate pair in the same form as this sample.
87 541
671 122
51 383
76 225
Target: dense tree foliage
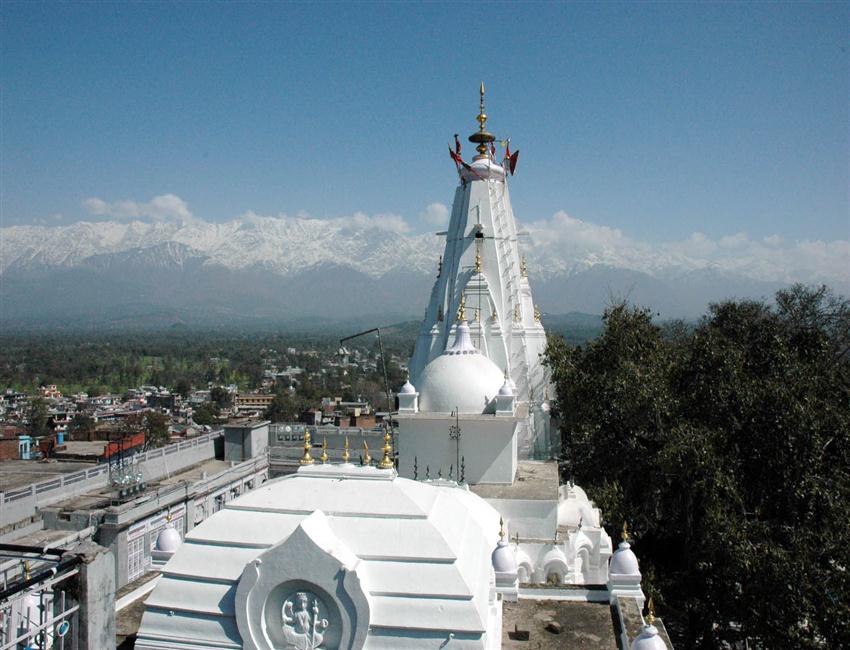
727 448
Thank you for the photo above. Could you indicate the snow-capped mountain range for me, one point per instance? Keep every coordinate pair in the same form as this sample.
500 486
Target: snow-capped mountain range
292 267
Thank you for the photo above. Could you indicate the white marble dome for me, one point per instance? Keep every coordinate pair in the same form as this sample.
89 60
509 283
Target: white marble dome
624 562
461 378
649 639
503 558
168 540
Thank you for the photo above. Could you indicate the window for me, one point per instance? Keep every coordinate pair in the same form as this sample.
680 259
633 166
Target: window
136 557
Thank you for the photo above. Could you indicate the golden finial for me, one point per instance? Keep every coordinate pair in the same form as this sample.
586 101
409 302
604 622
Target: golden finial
650 616
477 260
26 570
307 459
387 461
461 310
345 454
168 518
494 315
523 267
537 313
482 137
367 459
502 532
517 315
324 456
625 534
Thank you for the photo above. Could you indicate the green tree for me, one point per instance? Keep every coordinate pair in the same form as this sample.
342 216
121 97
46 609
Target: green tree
37 418
183 387
206 413
728 450
156 429
81 426
220 396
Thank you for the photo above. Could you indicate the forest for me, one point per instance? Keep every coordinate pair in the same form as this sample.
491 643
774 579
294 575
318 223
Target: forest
725 446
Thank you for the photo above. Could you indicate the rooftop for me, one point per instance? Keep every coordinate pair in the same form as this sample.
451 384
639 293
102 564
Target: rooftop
557 625
535 480
20 473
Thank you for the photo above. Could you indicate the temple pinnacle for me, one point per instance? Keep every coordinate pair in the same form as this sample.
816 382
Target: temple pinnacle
482 137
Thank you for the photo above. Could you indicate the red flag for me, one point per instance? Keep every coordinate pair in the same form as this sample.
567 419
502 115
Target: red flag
512 161
454 156
457 145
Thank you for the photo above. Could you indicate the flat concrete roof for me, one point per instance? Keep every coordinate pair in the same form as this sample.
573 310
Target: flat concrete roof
103 497
195 472
20 473
536 480
581 625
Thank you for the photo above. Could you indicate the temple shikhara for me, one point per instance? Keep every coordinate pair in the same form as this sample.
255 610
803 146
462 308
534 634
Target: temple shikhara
458 534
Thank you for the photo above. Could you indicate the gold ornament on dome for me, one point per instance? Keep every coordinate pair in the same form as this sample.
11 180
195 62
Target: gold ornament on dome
517 315
461 310
345 455
477 260
387 461
537 313
324 456
367 459
307 459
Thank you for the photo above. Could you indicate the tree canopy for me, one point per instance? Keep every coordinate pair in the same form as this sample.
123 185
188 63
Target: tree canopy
726 446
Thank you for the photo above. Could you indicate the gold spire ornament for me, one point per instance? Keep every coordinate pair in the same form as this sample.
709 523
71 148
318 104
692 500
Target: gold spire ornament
482 137
650 616
523 267
537 313
324 456
345 455
478 260
502 532
387 461
625 533
367 459
494 315
461 310
307 459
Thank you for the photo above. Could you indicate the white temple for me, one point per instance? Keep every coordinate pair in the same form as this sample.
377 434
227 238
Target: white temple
482 267
431 550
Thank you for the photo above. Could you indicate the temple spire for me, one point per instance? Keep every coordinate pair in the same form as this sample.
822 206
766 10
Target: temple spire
482 137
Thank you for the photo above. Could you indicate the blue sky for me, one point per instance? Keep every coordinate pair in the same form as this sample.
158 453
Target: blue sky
656 119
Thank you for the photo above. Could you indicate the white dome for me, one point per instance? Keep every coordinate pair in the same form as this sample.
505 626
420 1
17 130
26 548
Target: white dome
503 558
407 389
461 378
506 390
624 561
648 639
168 540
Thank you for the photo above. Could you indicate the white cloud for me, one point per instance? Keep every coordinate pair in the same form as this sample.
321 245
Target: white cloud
165 207
436 214
562 243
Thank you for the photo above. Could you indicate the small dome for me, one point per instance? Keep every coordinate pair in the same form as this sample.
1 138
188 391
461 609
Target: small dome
506 390
407 389
624 561
168 541
503 558
461 378
648 639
